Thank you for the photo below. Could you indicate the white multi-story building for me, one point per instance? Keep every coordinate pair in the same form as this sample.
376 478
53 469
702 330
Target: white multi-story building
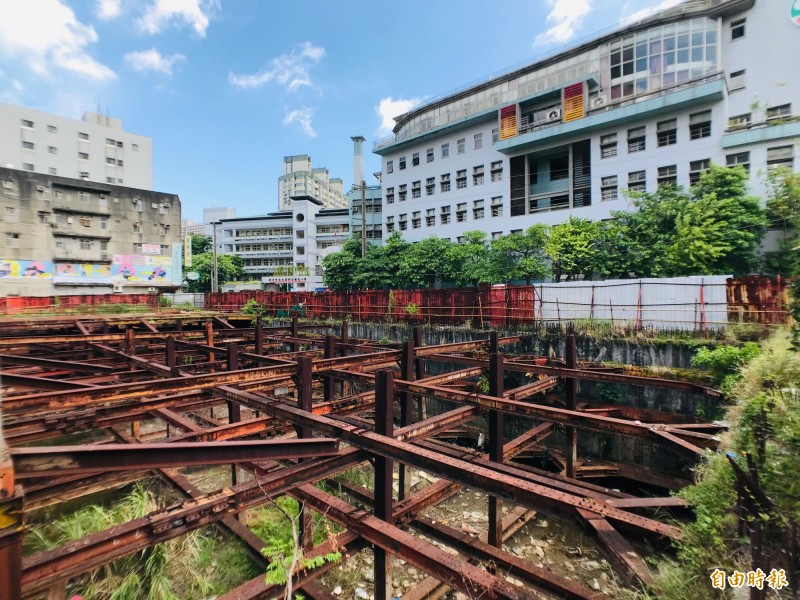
300 179
293 242
93 149
653 102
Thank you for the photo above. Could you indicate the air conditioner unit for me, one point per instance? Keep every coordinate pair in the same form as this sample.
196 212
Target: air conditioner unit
117 288
553 115
69 220
151 289
153 205
599 101
39 188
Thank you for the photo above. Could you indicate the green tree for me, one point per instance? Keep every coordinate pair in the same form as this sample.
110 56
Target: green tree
340 268
470 262
229 268
201 244
521 256
614 257
424 261
380 268
783 211
571 247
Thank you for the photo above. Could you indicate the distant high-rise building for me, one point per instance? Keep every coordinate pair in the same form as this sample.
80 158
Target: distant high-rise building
220 212
300 179
93 149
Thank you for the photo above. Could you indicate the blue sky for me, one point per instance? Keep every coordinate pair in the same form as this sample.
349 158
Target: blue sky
227 88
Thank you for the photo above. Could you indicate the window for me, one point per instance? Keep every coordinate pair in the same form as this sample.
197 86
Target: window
429 155
667 132
637 181
608 145
83 196
110 142
445 150
11 213
445 215
495 135
461 179
416 189
497 170
559 168
777 113
83 136
52 171
668 175
737 29
44 217
135 147
111 161
415 159
52 150
402 193
477 209
782 156
739 122
636 139
86 244
389 166
460 144
430 186
103 223
461 239
27 123
83 155
52 128
301 250
27 166
700 125
390 224
497 206
402 163
461 212
390 195
740 158
28 145
477 141
477 175
403 221
300 234
110 180
696 169
12 240
430 217
496 235
445 182
416 219
736 81
608 188
85 221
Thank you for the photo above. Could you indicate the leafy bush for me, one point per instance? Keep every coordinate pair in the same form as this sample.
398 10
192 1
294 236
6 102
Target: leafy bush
412 309
725 363
253 309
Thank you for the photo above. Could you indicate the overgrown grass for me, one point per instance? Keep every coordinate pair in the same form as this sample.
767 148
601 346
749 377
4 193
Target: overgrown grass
198 565
765 424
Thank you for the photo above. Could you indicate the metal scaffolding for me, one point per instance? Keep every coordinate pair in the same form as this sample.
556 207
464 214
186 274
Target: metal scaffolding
294 405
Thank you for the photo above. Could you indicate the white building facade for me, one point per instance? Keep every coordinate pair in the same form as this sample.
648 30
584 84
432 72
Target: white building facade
300 179
654 102
94 149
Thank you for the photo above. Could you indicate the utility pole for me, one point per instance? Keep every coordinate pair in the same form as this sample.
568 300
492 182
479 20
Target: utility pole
363 218
215 270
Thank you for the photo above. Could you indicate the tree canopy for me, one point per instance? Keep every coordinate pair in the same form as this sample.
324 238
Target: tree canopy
229 268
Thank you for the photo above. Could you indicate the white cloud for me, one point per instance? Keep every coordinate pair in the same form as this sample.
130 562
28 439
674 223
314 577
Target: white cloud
646 12
566 16
152 60
301 116
108 9
389 108
290 70
193 12
45 34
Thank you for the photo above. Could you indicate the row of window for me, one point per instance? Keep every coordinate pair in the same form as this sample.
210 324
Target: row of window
666 134
478 175
461 145
83 174
267 262
28 124
263 247
81 155
445 215
260 232
162 229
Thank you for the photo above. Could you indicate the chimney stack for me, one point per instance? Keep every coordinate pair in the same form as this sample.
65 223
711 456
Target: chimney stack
358 159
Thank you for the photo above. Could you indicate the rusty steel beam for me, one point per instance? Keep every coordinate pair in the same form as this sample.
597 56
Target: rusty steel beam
72 460
48 363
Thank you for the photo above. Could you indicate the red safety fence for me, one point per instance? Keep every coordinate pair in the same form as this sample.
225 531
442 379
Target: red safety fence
14 305
668 304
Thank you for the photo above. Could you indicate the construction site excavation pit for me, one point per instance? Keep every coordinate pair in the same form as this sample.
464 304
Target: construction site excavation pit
218 456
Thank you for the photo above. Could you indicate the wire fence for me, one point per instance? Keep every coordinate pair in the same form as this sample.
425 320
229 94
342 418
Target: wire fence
687 303
14 305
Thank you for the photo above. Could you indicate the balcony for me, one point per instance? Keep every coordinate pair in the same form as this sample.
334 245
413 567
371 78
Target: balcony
262 238
263 253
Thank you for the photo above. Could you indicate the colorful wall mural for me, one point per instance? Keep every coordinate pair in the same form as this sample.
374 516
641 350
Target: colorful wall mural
131 268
